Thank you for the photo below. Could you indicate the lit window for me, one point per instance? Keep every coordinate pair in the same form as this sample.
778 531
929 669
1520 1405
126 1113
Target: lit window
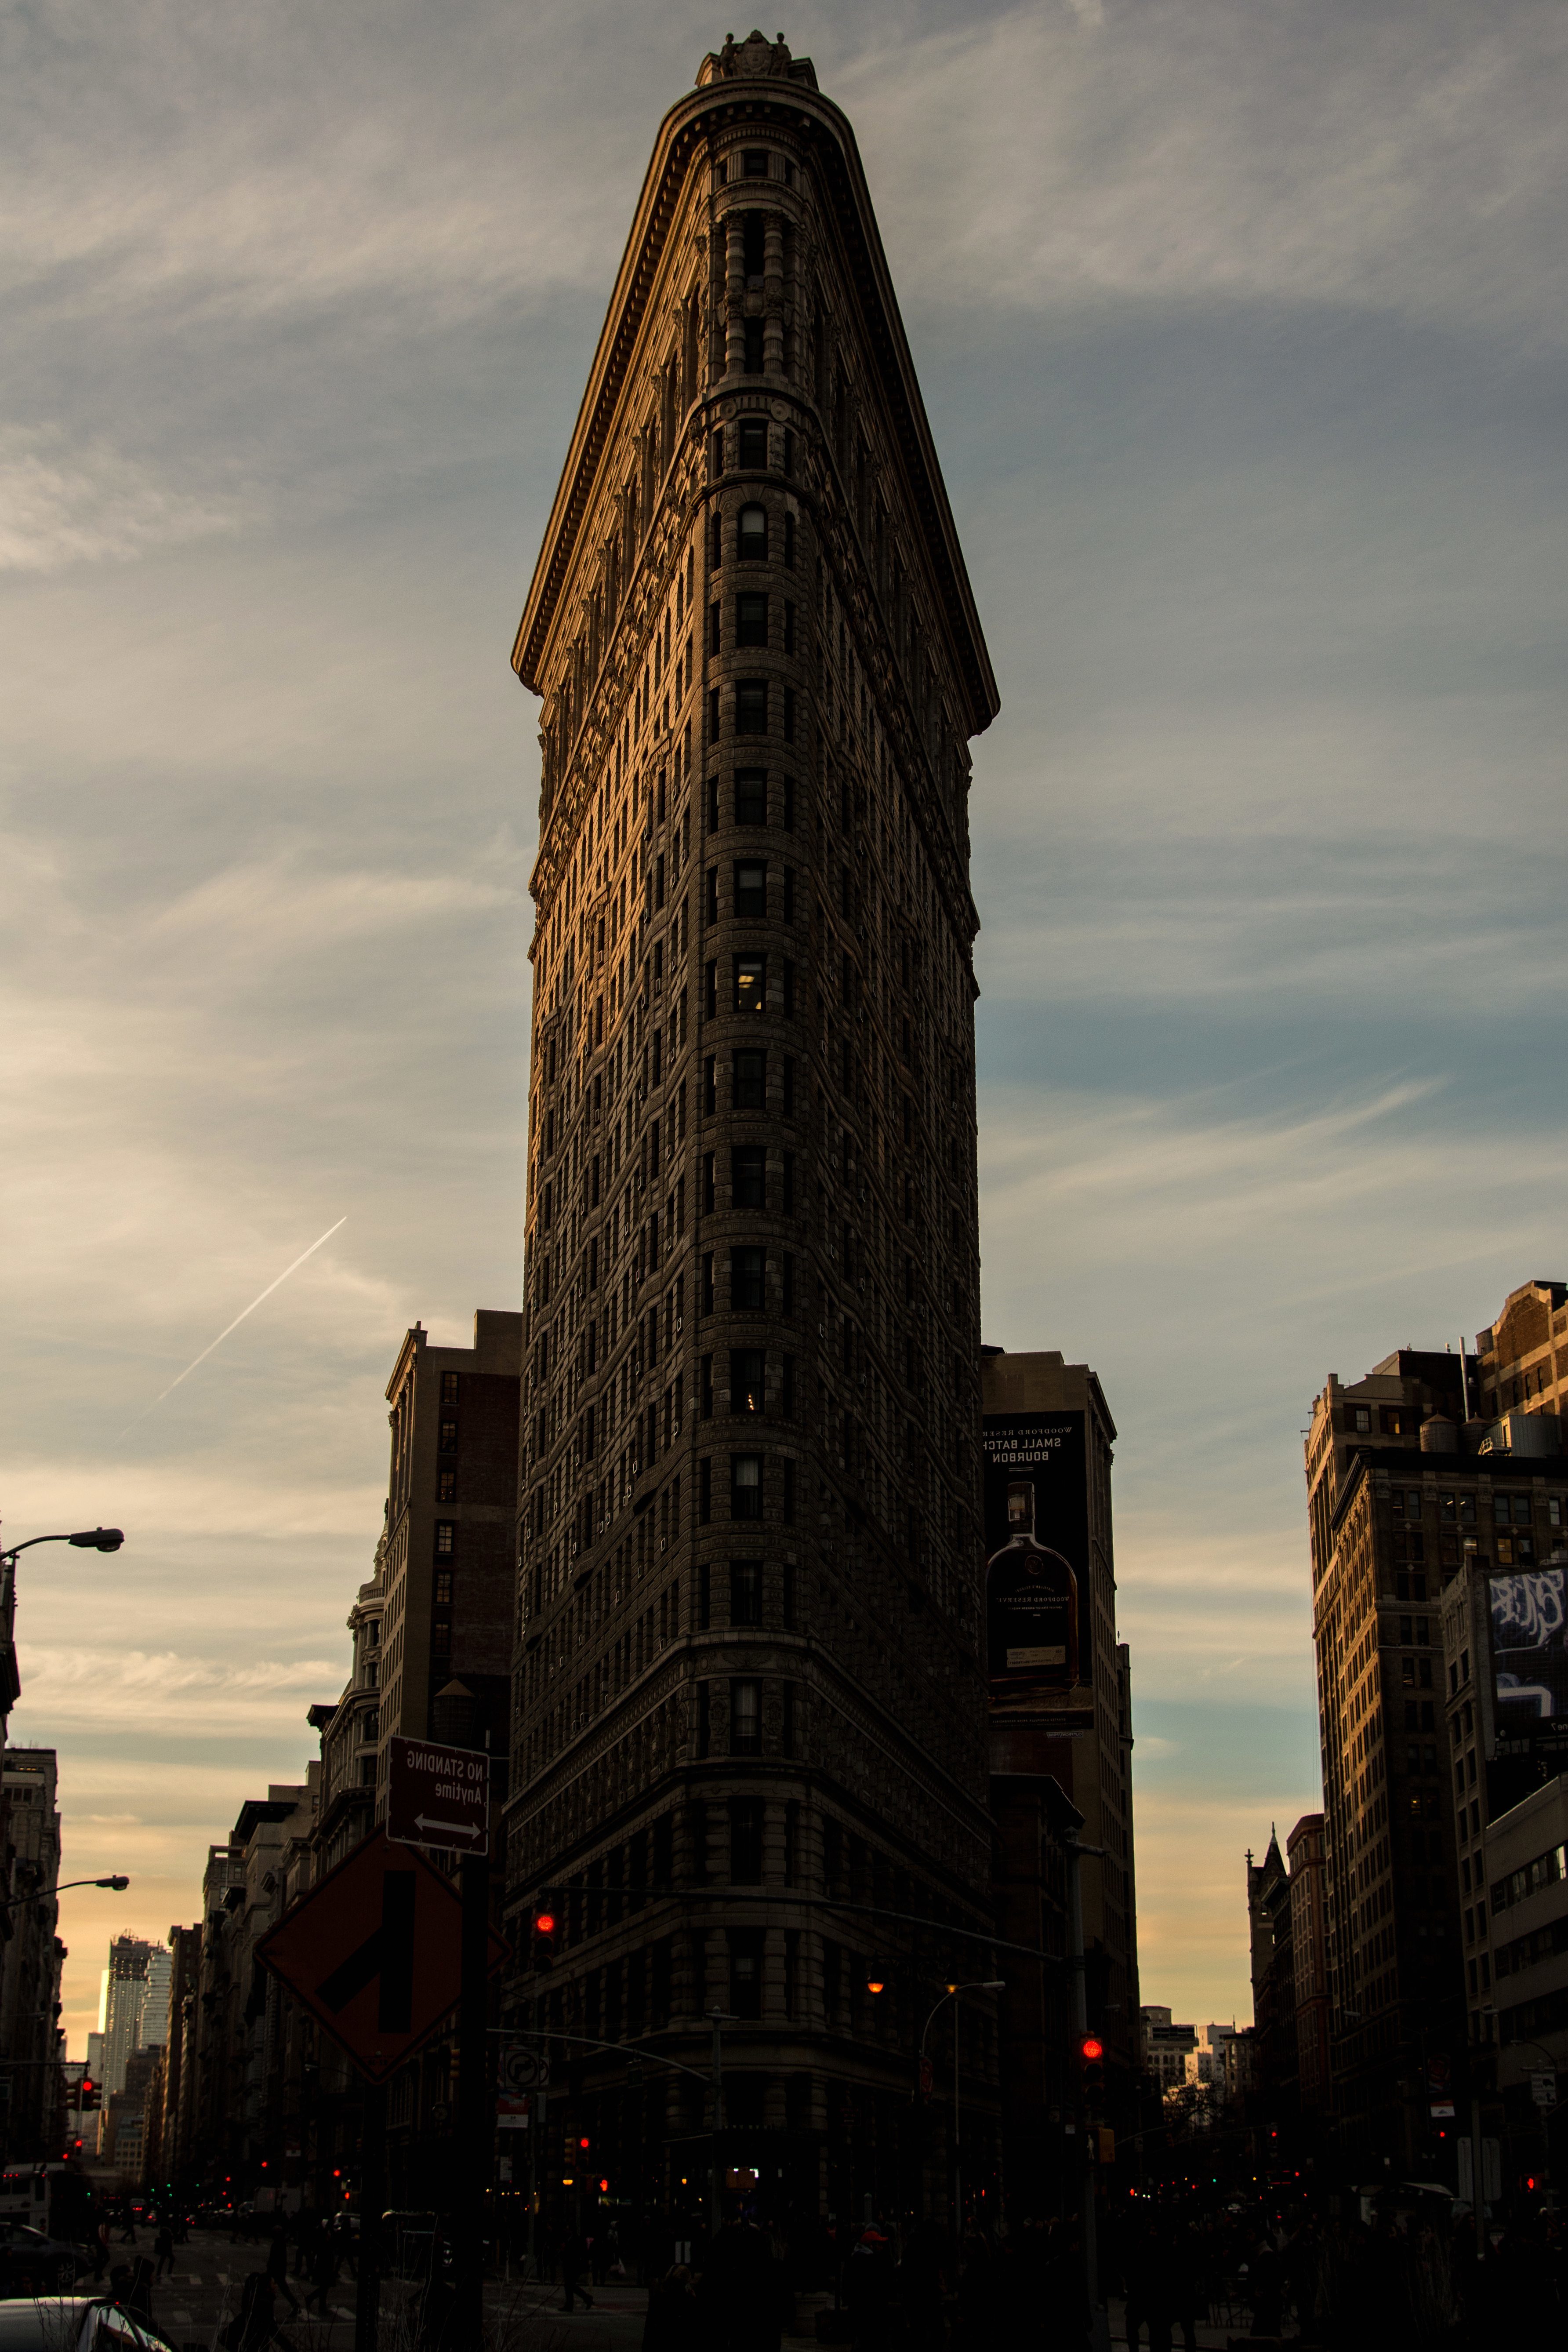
746 1486
747 1371
750 983
447 1483
445 1538
447 1441
449 1388
745 1719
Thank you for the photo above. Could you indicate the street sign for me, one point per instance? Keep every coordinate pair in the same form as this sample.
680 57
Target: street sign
1543 2090
438 1796
374 1953
524 2069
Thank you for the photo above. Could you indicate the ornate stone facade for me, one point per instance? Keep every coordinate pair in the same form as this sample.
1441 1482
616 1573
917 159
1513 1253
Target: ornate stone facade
746 1682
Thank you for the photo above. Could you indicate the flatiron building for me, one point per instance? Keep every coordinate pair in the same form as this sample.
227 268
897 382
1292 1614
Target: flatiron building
749 1729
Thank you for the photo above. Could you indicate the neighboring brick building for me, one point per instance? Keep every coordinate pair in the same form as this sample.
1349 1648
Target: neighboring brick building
1272 1917
445 1565
1060 1746
1310 1955
746 1533
31 1957
1522 1360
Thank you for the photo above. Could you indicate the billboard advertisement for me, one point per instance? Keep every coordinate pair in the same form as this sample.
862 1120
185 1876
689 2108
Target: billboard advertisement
1530 1657
1038 1635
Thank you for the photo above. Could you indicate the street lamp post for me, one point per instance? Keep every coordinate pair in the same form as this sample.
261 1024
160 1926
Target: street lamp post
953 1993
87 1539
42 1893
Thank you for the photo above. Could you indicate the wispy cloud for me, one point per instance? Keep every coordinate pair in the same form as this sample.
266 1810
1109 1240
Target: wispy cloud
88 503
131 1692
1407 158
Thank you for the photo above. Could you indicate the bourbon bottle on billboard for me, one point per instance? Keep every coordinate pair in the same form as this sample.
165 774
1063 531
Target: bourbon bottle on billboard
1031 1605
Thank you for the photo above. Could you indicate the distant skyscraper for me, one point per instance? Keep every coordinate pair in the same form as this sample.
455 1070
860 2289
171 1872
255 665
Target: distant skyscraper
747 1533
155 2009
129 1962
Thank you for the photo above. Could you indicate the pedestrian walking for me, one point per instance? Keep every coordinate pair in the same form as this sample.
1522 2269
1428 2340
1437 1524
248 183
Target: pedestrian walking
277 2266
573 2263
164 2252
323 2273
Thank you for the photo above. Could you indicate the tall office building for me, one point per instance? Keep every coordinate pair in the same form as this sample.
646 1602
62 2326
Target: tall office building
1378 1562
747 1658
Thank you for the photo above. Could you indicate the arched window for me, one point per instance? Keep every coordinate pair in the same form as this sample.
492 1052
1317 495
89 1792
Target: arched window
751 535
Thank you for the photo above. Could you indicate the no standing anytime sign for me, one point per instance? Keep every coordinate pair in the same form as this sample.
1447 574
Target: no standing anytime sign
439 1796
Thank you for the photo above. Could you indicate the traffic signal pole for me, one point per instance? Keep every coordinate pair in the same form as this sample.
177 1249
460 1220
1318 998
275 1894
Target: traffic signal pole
476 2110
1075 1853
372 2198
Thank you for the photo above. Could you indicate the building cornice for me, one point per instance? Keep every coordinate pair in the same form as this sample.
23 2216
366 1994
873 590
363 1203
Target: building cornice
685 138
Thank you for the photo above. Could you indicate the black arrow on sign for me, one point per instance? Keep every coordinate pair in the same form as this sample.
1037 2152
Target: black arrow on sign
387 1953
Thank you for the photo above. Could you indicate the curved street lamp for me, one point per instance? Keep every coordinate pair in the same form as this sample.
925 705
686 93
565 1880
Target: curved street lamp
954 1991
86 1539
41 1894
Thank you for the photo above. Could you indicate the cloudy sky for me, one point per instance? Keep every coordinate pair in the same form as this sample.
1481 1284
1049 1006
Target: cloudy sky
1241 324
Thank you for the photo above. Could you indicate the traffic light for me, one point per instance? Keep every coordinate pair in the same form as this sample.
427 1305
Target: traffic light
88 2096
546 1927
585 2144
1092 2065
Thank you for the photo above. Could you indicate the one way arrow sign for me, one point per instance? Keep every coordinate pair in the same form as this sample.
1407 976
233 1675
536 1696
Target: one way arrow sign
374 1953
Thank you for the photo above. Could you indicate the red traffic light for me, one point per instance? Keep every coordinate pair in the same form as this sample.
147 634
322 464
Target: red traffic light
1088 2049
544 1923
585 2143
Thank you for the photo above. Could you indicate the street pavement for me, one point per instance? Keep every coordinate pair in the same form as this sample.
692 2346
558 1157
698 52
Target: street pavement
197 2301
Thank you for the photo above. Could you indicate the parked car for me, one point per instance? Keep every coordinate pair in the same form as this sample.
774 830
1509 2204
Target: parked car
31 2263
83 2323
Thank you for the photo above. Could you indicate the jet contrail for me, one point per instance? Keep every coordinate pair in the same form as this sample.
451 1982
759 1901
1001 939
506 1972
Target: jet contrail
224 1334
